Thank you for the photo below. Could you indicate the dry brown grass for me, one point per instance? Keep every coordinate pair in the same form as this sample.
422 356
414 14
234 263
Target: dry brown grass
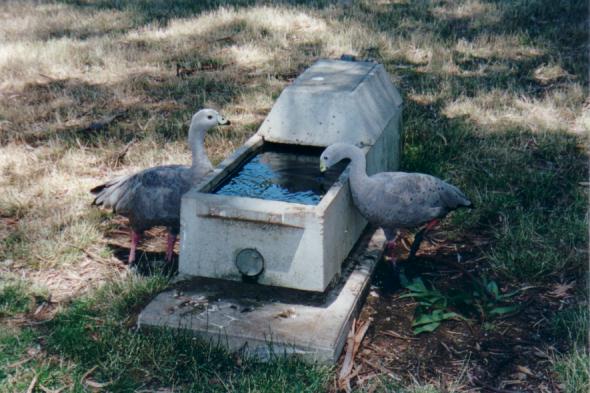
497 109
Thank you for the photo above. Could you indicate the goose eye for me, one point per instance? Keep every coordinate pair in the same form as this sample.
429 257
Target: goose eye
209 117
325 157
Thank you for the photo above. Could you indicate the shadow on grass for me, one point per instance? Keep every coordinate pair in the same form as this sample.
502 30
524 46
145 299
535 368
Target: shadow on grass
74 109
162 11
558 25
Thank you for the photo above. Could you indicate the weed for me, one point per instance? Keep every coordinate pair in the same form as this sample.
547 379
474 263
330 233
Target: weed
434 307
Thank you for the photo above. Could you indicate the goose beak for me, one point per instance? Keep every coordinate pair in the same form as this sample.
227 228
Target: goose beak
222 121
323 167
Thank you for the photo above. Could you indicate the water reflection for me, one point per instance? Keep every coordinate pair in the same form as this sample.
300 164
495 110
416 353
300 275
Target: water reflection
282 176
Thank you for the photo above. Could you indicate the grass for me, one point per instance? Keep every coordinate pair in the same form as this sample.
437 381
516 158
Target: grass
18 296
96 333
573 367
495 102
13 299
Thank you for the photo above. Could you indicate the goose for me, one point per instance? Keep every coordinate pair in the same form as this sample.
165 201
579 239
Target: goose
394 200
152 196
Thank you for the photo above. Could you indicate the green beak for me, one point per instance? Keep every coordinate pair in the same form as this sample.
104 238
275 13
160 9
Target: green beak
323 167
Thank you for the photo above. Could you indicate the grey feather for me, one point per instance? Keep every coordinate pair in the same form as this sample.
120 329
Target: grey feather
405 200
148 198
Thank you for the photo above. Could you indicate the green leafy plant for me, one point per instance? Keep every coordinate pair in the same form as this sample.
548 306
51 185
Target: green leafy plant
484 300
432 307
489 302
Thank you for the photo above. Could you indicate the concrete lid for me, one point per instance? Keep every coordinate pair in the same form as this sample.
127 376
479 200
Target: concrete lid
334 101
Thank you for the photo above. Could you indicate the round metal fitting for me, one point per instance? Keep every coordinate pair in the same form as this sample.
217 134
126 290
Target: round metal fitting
249 262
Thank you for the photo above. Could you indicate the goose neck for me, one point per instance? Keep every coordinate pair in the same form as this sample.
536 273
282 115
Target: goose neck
358 167
196 138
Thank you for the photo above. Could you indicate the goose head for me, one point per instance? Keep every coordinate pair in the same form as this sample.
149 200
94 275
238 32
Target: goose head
207 118
202 121
335 153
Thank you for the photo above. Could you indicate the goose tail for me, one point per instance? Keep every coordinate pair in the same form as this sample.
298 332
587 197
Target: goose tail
110 193
455 198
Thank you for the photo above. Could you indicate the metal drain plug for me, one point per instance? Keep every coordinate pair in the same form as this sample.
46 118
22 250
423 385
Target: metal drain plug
249 262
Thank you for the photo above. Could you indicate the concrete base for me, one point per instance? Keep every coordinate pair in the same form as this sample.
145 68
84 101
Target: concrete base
264 320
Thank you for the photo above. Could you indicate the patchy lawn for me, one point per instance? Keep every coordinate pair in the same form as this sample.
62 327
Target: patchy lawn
495 102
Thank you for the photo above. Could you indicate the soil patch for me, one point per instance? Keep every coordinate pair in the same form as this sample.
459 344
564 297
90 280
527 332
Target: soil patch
510 354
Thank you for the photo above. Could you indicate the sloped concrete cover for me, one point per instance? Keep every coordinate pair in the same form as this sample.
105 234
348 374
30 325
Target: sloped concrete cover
333 101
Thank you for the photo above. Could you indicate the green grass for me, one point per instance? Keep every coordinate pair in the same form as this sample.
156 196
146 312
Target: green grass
573 367
13 345
13 299
494 102
573 323
96 332
389 385
18 296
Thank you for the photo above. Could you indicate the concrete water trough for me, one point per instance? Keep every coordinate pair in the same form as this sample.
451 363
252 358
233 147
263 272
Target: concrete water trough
299 243
270 252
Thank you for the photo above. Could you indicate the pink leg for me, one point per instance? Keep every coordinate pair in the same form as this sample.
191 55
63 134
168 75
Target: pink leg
135 238
170 246
389 247
432 224
391 259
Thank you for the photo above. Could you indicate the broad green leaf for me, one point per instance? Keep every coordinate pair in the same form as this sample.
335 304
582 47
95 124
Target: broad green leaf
427 328
435 316
451 315
425 319
503 310
410 294
509 295
417 285
493 288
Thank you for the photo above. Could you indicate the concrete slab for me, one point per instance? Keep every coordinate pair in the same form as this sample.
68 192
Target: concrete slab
264 319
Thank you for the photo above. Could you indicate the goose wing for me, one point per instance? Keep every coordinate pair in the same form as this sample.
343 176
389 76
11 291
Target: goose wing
402 199
150 197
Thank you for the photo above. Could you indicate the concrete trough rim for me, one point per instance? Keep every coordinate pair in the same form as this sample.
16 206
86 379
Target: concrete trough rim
203 193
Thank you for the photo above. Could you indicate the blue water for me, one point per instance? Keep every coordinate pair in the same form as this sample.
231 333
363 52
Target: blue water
281 176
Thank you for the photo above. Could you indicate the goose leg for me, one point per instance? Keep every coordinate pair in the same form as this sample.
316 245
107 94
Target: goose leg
420 236
135 237
389 247
170 246
391 236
